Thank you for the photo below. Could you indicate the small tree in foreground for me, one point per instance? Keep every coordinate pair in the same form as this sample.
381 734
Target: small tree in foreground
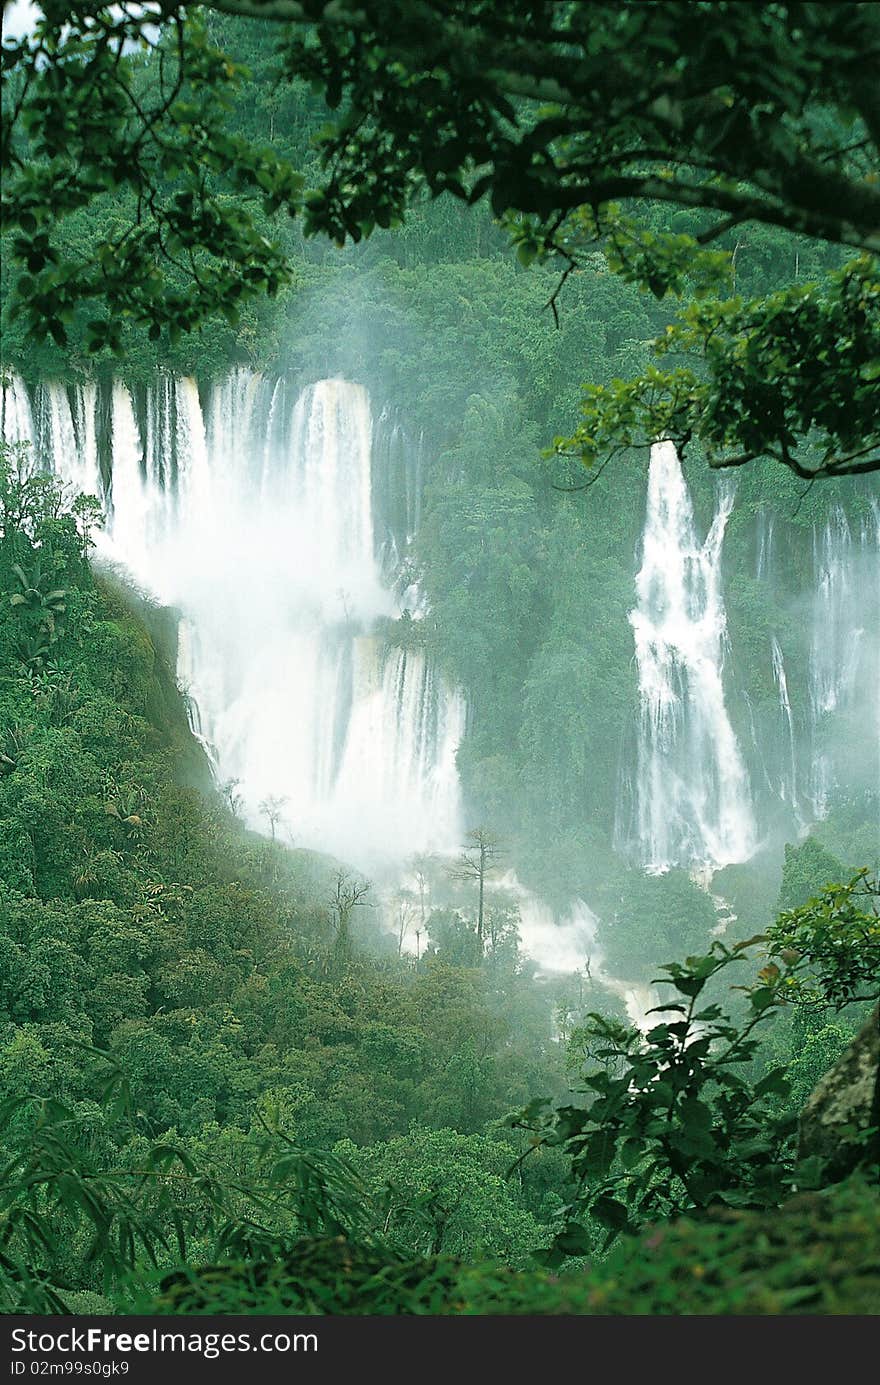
675 1120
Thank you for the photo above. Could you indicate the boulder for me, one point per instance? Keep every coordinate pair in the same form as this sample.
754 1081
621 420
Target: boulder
845 1106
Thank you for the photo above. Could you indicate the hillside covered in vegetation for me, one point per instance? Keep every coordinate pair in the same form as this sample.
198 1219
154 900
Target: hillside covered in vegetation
439 753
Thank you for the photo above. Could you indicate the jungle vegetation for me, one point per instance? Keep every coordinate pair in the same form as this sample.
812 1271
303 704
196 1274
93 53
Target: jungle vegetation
224 1087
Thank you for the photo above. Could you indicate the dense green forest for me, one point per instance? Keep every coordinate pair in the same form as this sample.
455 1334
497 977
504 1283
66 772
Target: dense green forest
204 1053
227 1084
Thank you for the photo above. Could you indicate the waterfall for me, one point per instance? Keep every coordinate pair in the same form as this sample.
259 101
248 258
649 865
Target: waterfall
277 521
788 779
137 501
412 766
558 942
17 414
835 651
692 792
844 677
257 515
764 559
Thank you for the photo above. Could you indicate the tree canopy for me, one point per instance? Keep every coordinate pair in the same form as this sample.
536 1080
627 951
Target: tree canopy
588 128
225 1086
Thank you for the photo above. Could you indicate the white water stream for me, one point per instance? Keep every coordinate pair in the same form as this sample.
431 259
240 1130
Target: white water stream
693 804
275 520
252 513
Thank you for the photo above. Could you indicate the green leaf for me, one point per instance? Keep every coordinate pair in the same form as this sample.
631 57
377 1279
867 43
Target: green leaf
610 1213
774 1081
574 1240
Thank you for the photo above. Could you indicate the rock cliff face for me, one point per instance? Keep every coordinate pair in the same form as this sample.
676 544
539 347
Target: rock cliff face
845 1107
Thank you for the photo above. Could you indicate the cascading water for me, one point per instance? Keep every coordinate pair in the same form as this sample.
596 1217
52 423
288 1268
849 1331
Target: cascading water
834 660
278 521
17 414
845 656
561 942
788 778
255 519
764 554
692 793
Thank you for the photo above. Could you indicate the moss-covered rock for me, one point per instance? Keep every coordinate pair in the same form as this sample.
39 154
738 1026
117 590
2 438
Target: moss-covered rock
840 1121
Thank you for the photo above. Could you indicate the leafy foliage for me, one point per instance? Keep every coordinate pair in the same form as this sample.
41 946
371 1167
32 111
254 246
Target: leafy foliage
833 944
792 376
674 1120
557 117
89 123
59 1184
817 1255
191 1016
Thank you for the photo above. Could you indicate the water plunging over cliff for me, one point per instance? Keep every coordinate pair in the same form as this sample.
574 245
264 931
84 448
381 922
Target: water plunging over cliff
844 678
692 799
278 521
255 514
788 788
